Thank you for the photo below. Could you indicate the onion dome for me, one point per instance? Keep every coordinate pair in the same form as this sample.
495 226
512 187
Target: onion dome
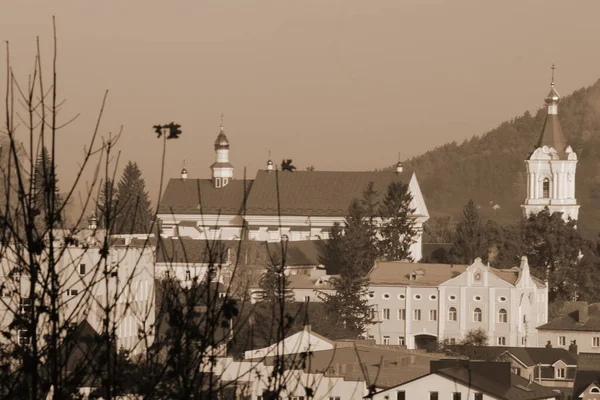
553 97
399 167
270 165
221 142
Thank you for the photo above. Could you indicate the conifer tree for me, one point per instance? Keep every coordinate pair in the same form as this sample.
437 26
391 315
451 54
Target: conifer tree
107 204
45 188
133 214
468 240
397 227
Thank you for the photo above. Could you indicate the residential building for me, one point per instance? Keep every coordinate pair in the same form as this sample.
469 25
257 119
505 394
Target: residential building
418 305
466 380
580 326
275 205
550 367
551 167
587 379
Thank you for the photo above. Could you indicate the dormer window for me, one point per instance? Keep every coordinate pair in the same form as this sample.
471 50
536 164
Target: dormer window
594 390
413 276
546 188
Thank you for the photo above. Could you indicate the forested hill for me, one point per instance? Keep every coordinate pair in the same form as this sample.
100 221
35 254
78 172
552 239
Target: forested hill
490 168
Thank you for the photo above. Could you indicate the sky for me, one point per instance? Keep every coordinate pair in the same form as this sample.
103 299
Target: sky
336 84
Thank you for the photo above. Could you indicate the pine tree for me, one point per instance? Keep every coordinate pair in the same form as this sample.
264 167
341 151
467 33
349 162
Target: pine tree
274 284
398 223
107 205
133 214
45 189
468 240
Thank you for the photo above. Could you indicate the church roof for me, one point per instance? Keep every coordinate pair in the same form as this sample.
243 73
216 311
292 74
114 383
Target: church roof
314 193
186 197
552 135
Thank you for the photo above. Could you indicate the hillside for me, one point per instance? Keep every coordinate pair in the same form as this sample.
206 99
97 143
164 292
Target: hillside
490 168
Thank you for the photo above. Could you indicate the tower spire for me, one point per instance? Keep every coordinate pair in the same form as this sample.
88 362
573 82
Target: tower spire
223 115
553 67
222 170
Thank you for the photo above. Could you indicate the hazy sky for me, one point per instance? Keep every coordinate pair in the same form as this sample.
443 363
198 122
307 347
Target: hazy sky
338 84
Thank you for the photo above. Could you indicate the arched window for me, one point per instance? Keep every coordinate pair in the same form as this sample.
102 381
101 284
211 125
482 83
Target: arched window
594 390
477 315
546 188
502 315
452 315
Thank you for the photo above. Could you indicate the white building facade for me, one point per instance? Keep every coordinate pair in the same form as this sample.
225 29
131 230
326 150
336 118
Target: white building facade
415 305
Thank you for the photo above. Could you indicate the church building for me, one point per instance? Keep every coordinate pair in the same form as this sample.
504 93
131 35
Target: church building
275 205
551 167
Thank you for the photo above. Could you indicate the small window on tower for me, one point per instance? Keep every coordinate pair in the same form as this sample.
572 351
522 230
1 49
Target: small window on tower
546 188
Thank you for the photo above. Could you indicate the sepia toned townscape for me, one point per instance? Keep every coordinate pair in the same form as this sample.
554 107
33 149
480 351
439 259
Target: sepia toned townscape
266 200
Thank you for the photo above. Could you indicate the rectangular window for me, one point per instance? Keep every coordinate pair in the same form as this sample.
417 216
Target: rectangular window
400 395
386 340
596 341
478 396
562 341
81 269
560 372
385 314
501 341
373 314
417 315
72 292
307 299
433 315
188 275
456 396
433 396
25 306
401 341
402 314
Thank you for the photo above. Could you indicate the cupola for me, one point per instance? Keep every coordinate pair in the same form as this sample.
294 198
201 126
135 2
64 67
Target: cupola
270 165
222 170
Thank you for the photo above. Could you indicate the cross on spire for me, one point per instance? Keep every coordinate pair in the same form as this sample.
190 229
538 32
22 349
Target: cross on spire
553 67
222 115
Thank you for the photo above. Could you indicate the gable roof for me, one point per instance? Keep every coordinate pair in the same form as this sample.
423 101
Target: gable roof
583 380
528 356
398 273
193 196
315 193
570 321
483 379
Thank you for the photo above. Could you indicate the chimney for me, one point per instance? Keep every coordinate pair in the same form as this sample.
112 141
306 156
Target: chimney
307 328
573 347
582 312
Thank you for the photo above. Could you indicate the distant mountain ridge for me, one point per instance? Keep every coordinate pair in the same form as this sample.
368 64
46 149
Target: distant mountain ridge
490 168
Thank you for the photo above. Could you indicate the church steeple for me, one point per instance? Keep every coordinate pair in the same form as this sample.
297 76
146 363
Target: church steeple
222 170
551 167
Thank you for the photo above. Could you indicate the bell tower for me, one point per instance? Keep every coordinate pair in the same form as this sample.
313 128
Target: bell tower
551 167
222 170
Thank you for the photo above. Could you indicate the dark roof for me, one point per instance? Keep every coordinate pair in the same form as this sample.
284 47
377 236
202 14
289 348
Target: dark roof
186 250
529 356
314 193
485 380
300 252
570 321
583 379
195 196
552 135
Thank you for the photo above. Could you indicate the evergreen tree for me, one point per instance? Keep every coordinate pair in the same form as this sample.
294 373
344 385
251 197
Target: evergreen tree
468 241
107 204
274 284
133 214
45 190
349 307
397 227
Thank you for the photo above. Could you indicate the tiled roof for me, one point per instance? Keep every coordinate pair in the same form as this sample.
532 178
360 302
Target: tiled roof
251 252
398 273
308 282
583 379
484 379
314 193
570 321
552 135
185 196
364 363
529 356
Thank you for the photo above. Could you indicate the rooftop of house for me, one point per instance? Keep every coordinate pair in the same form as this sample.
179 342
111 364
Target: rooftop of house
200 196
584 379
314 193
529 356
381 366
309 282
248 252
389 273
580 317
